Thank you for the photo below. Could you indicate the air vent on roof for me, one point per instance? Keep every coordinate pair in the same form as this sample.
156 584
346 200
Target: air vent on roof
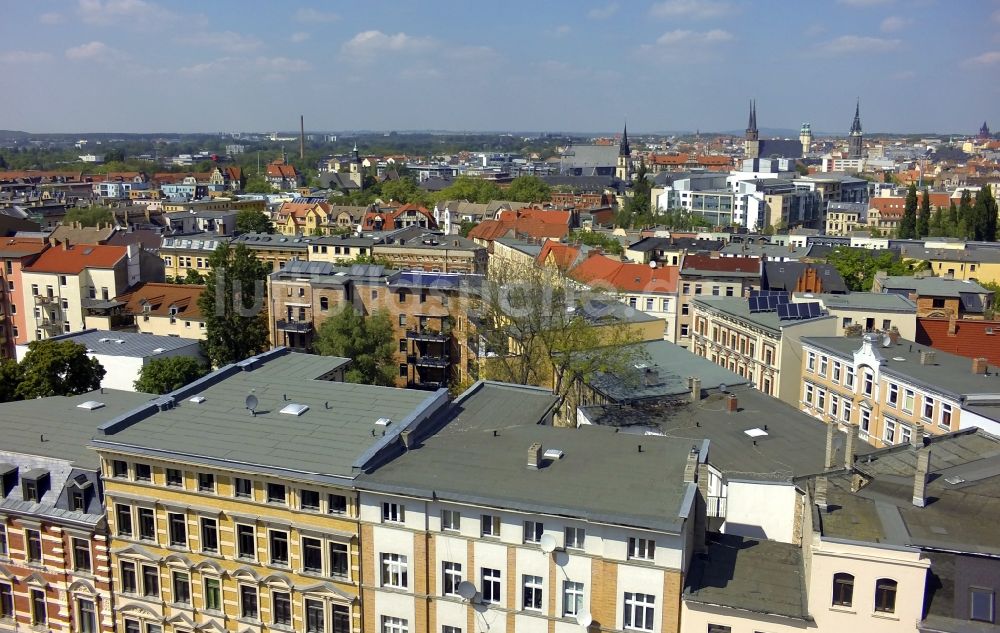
295 409
756 432
989 330
103 340
383 422
90 405
552 453
899 359
954 480
197 399
159 350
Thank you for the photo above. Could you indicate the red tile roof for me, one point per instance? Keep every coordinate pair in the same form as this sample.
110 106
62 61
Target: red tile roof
527 222
970 338
563 255
625 276
389 216
14 247
279 169
161 297
74 259
721 264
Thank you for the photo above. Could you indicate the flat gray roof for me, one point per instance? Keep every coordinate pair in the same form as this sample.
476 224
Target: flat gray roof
739 308
950 373
936 286
750 574
480 456
338 428
132 344
882 302
56 427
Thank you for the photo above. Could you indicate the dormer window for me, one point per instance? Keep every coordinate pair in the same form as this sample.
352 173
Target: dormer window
8 479
34 484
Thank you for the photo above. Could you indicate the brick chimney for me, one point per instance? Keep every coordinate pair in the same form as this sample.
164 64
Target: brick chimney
535 453
732 403
820 495
828 462
952 326
920 477
850 444
695 389
691 467
917 439
65 245
893 335
980 365
928 357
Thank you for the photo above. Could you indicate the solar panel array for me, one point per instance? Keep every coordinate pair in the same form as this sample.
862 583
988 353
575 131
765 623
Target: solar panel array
760 302
797 311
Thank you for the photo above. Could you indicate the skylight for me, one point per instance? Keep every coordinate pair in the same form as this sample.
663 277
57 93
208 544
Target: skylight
90 405
295 408
756 432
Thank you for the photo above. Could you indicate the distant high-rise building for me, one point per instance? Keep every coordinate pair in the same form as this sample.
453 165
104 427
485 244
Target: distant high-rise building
855 142
752 143
623 169
806 138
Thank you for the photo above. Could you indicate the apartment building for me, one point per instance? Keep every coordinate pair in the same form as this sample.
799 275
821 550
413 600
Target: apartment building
54 550
892 389
61 286
339 249
506 539
703 275
234 514
303 216
162 309
868 311
938 297
275 250
758 345
183 254
419 249
15 254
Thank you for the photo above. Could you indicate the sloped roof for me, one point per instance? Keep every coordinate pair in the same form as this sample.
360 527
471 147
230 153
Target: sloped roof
563 255
721 264
161 297
21 246
625 276
970 338
73 259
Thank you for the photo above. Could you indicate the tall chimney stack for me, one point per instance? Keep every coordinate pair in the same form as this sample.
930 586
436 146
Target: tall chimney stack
831 428
732 403
302 137
535 453
980 365
695 389
920 477
691 467
821 488
917 439
849 446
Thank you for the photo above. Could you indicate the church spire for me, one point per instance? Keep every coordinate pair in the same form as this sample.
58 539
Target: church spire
623 148
856 125
752 123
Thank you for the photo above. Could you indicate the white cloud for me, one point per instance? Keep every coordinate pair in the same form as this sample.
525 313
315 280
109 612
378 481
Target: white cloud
123 12
850 44
24 57
686 45
299 37
368 44
694 9
894 23
315 15
282 64
864 3
207 68
681 36
603 13
51 18
98 51
271 67
228 41
986 59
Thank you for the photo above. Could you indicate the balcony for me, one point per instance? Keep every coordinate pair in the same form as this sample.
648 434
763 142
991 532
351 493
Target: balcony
42 300
437 362
715 506
428 335
301 327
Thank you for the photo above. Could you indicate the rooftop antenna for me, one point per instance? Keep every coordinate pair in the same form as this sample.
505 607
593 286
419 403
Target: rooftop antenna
886 340
251 404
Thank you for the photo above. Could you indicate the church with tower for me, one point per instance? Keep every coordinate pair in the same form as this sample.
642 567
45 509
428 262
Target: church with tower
855 140
623 168
754 147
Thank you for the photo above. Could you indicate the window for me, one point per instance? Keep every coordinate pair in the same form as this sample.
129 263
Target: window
3 539
945 415
209 535
849 377
720 628
312 555
150 581
30 490
175 478
885 595
491 585
685 309
843 590
641 548
38 614
246 542
324 304
182 587
981 604
177 529
836 372
451 576
309 500
206 482
891 396
927 411
119 469
81 555
572 598
314 616
248 602
281 607
908 400
531 592
533 531
147 524
402 296
575 537
402 345
491 525
87 615
129 582
34 549
638 611
451 520
868 387
905 434
823 365
242 488
889 434
394 625
729 291
336 504
341 618
6 601
834 405
403 370
132 626
213 594
864 419
684 329
393 513
845 411
275 493
394 571
811 362
402 319
143 472
279 547
339 560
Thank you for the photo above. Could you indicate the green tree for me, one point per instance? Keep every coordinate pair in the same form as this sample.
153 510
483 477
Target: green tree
937 227
966 221
993 309
114 155
57 368
253 221
950 224
858 266
368 341
403 190
464 227
234 305
257 184
529 189
593 238
471 189
163 375
637 210
908 224
193 277
10 377
90 216
984 214
924 216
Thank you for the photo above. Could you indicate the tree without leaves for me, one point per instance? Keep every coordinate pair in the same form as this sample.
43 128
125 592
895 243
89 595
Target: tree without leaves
163 375
235 278
253 221
367 341
56 368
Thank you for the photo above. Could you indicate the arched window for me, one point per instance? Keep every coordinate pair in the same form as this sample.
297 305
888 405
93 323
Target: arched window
843 589
885 595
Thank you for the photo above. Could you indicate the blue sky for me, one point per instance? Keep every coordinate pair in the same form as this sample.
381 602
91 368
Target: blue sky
139 65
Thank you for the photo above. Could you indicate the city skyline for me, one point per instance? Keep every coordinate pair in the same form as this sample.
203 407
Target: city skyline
138 66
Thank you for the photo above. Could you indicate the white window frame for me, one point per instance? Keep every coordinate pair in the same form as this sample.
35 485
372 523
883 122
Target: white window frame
811 362
575 538
910 398
573 598
536 586
393 512
641 548
533 531
451 575
451 521
889 431
392 624
927 403
492 521
394 570
634 611
947 411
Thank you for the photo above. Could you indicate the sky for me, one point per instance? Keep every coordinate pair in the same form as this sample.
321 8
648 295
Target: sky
543 65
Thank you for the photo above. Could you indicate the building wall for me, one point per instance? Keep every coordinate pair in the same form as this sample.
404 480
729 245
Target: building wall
882 320
983 272
64 311
696 618
335 253
455 260
761 510
14 304
690 288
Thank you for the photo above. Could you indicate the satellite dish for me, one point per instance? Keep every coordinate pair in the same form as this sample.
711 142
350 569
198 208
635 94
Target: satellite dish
466 590
652 264
251 402
886 340
547 543
584 619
